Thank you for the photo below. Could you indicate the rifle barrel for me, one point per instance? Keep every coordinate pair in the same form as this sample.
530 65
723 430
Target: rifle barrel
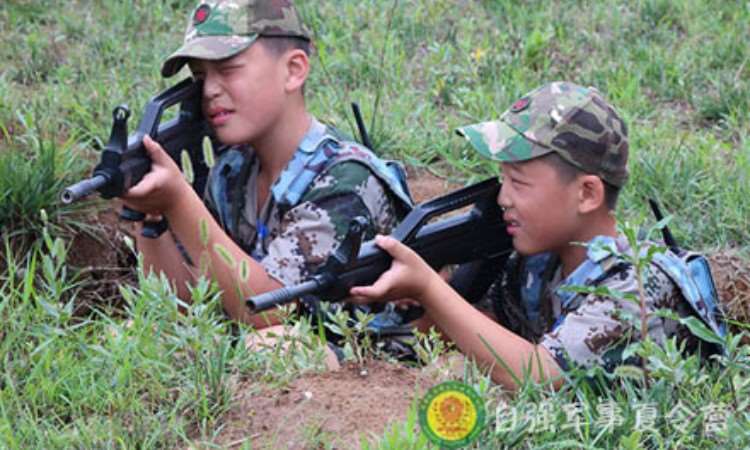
82 189
283 295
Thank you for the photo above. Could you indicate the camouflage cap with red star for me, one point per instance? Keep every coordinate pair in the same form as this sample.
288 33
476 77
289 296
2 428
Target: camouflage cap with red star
219 29
561 117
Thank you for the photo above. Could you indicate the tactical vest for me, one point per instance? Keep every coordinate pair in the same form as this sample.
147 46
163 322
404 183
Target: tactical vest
689 271
320 150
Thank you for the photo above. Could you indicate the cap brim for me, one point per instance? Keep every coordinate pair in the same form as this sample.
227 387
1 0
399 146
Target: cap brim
205 47
498 141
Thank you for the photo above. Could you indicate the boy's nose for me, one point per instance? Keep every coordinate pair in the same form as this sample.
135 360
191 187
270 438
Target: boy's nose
210 87
503 197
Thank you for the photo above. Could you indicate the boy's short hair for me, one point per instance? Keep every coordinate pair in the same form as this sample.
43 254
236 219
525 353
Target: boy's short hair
220 29
561 118
568 172
280 45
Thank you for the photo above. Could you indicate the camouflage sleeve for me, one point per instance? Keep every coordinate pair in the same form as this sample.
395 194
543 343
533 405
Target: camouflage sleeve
596 329
314 228
208 199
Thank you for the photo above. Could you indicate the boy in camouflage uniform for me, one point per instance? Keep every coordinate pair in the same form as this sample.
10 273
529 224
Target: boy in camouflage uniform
284 188
563 152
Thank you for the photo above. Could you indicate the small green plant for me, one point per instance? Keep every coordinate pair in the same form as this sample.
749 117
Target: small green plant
299 348
314 436
429 346
400 435
356 338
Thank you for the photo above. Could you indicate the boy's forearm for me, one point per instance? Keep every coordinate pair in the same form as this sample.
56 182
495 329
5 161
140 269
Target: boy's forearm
219 258
468 327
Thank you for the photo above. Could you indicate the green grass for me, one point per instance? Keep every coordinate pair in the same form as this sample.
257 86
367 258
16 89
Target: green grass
152 377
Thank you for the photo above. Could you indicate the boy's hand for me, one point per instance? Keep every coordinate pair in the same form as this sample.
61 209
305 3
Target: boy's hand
160 188
408 277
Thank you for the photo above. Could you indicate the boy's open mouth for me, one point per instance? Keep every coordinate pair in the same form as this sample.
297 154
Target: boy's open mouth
511 225
217 116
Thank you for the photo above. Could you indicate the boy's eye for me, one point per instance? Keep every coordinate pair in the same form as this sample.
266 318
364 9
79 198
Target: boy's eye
228 68
510 178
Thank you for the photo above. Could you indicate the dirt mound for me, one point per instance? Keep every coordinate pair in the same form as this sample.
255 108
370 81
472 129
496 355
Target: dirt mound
732 276
425 186
103 259
341 407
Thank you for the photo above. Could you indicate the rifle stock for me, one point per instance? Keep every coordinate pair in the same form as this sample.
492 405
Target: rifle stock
472 236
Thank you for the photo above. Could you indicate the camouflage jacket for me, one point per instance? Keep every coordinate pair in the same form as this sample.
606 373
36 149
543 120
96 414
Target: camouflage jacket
531 299
327 182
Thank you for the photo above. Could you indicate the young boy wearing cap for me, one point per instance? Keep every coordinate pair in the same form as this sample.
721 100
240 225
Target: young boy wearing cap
563 152
284 188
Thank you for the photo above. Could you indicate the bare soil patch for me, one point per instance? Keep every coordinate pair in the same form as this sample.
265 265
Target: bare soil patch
341 407
103 259
425 186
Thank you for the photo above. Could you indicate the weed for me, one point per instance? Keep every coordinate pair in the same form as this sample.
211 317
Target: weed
31 178
356 339
404 435
429 346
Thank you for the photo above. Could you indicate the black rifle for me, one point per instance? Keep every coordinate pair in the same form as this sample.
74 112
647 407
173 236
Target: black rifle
477 235
124 160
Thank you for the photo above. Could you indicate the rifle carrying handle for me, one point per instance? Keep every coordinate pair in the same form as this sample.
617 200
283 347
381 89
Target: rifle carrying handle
155 108
413 222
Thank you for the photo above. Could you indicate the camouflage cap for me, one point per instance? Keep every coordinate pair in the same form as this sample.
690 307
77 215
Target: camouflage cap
573 121
218 29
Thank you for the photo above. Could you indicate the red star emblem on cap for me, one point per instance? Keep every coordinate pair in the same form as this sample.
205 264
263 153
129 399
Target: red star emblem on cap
520 105
201 14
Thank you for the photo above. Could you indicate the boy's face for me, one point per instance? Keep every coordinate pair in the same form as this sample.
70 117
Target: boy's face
540 209
243 96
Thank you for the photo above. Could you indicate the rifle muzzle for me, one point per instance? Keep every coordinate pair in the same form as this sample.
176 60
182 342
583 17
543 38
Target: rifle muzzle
82 189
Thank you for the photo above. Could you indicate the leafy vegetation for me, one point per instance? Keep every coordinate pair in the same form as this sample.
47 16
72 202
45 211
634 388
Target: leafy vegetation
159 373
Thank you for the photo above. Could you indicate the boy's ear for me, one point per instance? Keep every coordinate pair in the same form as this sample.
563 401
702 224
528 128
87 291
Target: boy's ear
590 193
297 68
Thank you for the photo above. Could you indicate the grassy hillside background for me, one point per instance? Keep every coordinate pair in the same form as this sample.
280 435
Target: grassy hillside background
677 70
